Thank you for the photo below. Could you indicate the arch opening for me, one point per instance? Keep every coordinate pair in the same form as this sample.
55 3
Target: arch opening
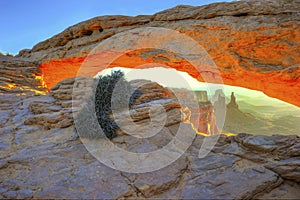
274 84
247 111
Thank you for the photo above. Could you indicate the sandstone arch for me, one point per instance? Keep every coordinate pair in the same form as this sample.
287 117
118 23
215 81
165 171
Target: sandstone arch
255 44
280 85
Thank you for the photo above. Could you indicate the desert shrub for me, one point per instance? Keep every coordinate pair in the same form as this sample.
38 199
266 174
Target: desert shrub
9 54
104 101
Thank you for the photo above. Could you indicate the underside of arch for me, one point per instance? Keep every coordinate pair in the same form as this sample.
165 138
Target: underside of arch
283 85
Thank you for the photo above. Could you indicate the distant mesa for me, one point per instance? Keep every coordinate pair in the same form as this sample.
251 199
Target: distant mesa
238 121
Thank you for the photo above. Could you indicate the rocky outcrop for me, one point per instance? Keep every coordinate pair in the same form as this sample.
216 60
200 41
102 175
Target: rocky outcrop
232 104
255 44
20 76
197 110
56 109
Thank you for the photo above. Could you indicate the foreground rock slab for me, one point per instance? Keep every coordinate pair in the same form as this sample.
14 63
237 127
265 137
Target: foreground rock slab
40 163
55 164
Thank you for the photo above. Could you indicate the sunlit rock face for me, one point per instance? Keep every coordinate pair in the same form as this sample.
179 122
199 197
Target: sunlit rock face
255 44
20 77
201 115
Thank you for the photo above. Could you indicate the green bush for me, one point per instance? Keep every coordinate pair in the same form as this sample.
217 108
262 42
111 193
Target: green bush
104 101
9 54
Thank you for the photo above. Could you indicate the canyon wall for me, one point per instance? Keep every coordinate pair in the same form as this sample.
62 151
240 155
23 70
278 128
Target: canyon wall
255 44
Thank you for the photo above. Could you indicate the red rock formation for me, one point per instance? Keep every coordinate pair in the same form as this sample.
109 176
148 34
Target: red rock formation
197 112
255 44
282 85
20 77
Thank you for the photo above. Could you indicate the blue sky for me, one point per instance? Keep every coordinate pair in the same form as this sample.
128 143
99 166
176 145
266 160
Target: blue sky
27 22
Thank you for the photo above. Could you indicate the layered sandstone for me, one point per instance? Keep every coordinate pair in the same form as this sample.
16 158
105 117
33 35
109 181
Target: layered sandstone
255 44
20 77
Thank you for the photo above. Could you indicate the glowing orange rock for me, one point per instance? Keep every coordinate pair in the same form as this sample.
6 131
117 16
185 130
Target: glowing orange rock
58 70
283 85
256 46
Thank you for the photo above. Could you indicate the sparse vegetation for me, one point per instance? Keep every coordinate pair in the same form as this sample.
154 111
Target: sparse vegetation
104 101
9 54
6 54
